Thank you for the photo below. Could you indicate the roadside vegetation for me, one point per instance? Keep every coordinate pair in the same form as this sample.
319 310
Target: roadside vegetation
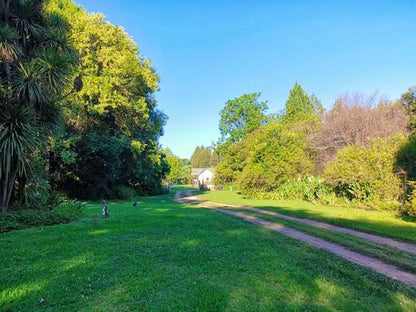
387 223
360 153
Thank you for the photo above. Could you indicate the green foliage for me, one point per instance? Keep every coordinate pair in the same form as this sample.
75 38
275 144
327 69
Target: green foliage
408 100
112 123
36 61
300 107
241 116
409 208
179 169
276 156
370 170
123 192
233 162
68 211
201 157
309 188
361 173
406 158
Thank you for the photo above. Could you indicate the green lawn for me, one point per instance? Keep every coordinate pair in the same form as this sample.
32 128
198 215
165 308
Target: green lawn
404 260
379 222
163 256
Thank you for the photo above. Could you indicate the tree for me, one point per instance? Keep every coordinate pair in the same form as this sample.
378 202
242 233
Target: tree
180 170
355 119
234 161
117 101
299 106
241 116
201 157
276 156
408 100
36 65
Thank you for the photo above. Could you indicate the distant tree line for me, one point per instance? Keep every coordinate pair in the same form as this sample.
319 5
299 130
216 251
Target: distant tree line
361 152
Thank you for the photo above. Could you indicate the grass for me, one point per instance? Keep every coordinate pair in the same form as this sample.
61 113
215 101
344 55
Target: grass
394 256
162 256
378 222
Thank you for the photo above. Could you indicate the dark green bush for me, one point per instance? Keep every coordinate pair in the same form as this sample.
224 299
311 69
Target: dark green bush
66 212
124 192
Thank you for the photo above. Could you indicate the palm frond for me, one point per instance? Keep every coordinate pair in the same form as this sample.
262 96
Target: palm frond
27 85
58 23
18 138
9 47
54 69
61 42
28 22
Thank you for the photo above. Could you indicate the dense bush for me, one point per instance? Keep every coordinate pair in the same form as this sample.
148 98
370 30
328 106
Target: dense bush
66 212
276 156
234 161
357 154
361 173
124 192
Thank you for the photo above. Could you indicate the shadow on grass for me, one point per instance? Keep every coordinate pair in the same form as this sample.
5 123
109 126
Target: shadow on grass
162 256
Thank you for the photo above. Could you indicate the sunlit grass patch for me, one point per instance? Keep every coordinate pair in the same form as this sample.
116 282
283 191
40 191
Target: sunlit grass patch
180 259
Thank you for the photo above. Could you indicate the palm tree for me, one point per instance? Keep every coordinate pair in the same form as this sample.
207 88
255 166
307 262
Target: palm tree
36 62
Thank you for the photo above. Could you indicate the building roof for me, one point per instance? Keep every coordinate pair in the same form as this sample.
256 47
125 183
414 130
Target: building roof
198 171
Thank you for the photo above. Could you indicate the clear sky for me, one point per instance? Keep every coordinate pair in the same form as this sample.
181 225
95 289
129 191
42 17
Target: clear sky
207 52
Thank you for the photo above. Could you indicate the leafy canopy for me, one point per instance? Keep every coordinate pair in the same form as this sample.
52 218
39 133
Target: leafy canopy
201 157
241 116
299 106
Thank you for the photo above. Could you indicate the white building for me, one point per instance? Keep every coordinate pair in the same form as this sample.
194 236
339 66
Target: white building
206 177
203 178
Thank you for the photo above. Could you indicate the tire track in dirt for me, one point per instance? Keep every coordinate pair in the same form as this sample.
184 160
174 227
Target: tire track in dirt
352 256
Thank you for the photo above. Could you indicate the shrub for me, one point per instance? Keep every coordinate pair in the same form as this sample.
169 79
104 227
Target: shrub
409 207
68 211
124 192
367 173
277 156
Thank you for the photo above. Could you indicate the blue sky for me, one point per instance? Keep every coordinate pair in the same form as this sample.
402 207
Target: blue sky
207 52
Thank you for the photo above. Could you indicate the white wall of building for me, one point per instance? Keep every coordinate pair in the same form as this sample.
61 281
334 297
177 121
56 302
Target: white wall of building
206 177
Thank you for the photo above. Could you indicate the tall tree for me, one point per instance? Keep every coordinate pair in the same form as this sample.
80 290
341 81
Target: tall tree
117 100
299 106
241 116
275 155
36 62
201 157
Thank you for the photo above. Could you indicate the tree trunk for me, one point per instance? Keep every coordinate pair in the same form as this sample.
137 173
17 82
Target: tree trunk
11 187
5 193
20 193
5 183
8 185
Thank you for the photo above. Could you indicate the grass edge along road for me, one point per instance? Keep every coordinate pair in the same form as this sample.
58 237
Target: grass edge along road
163 256
384 223
362 259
